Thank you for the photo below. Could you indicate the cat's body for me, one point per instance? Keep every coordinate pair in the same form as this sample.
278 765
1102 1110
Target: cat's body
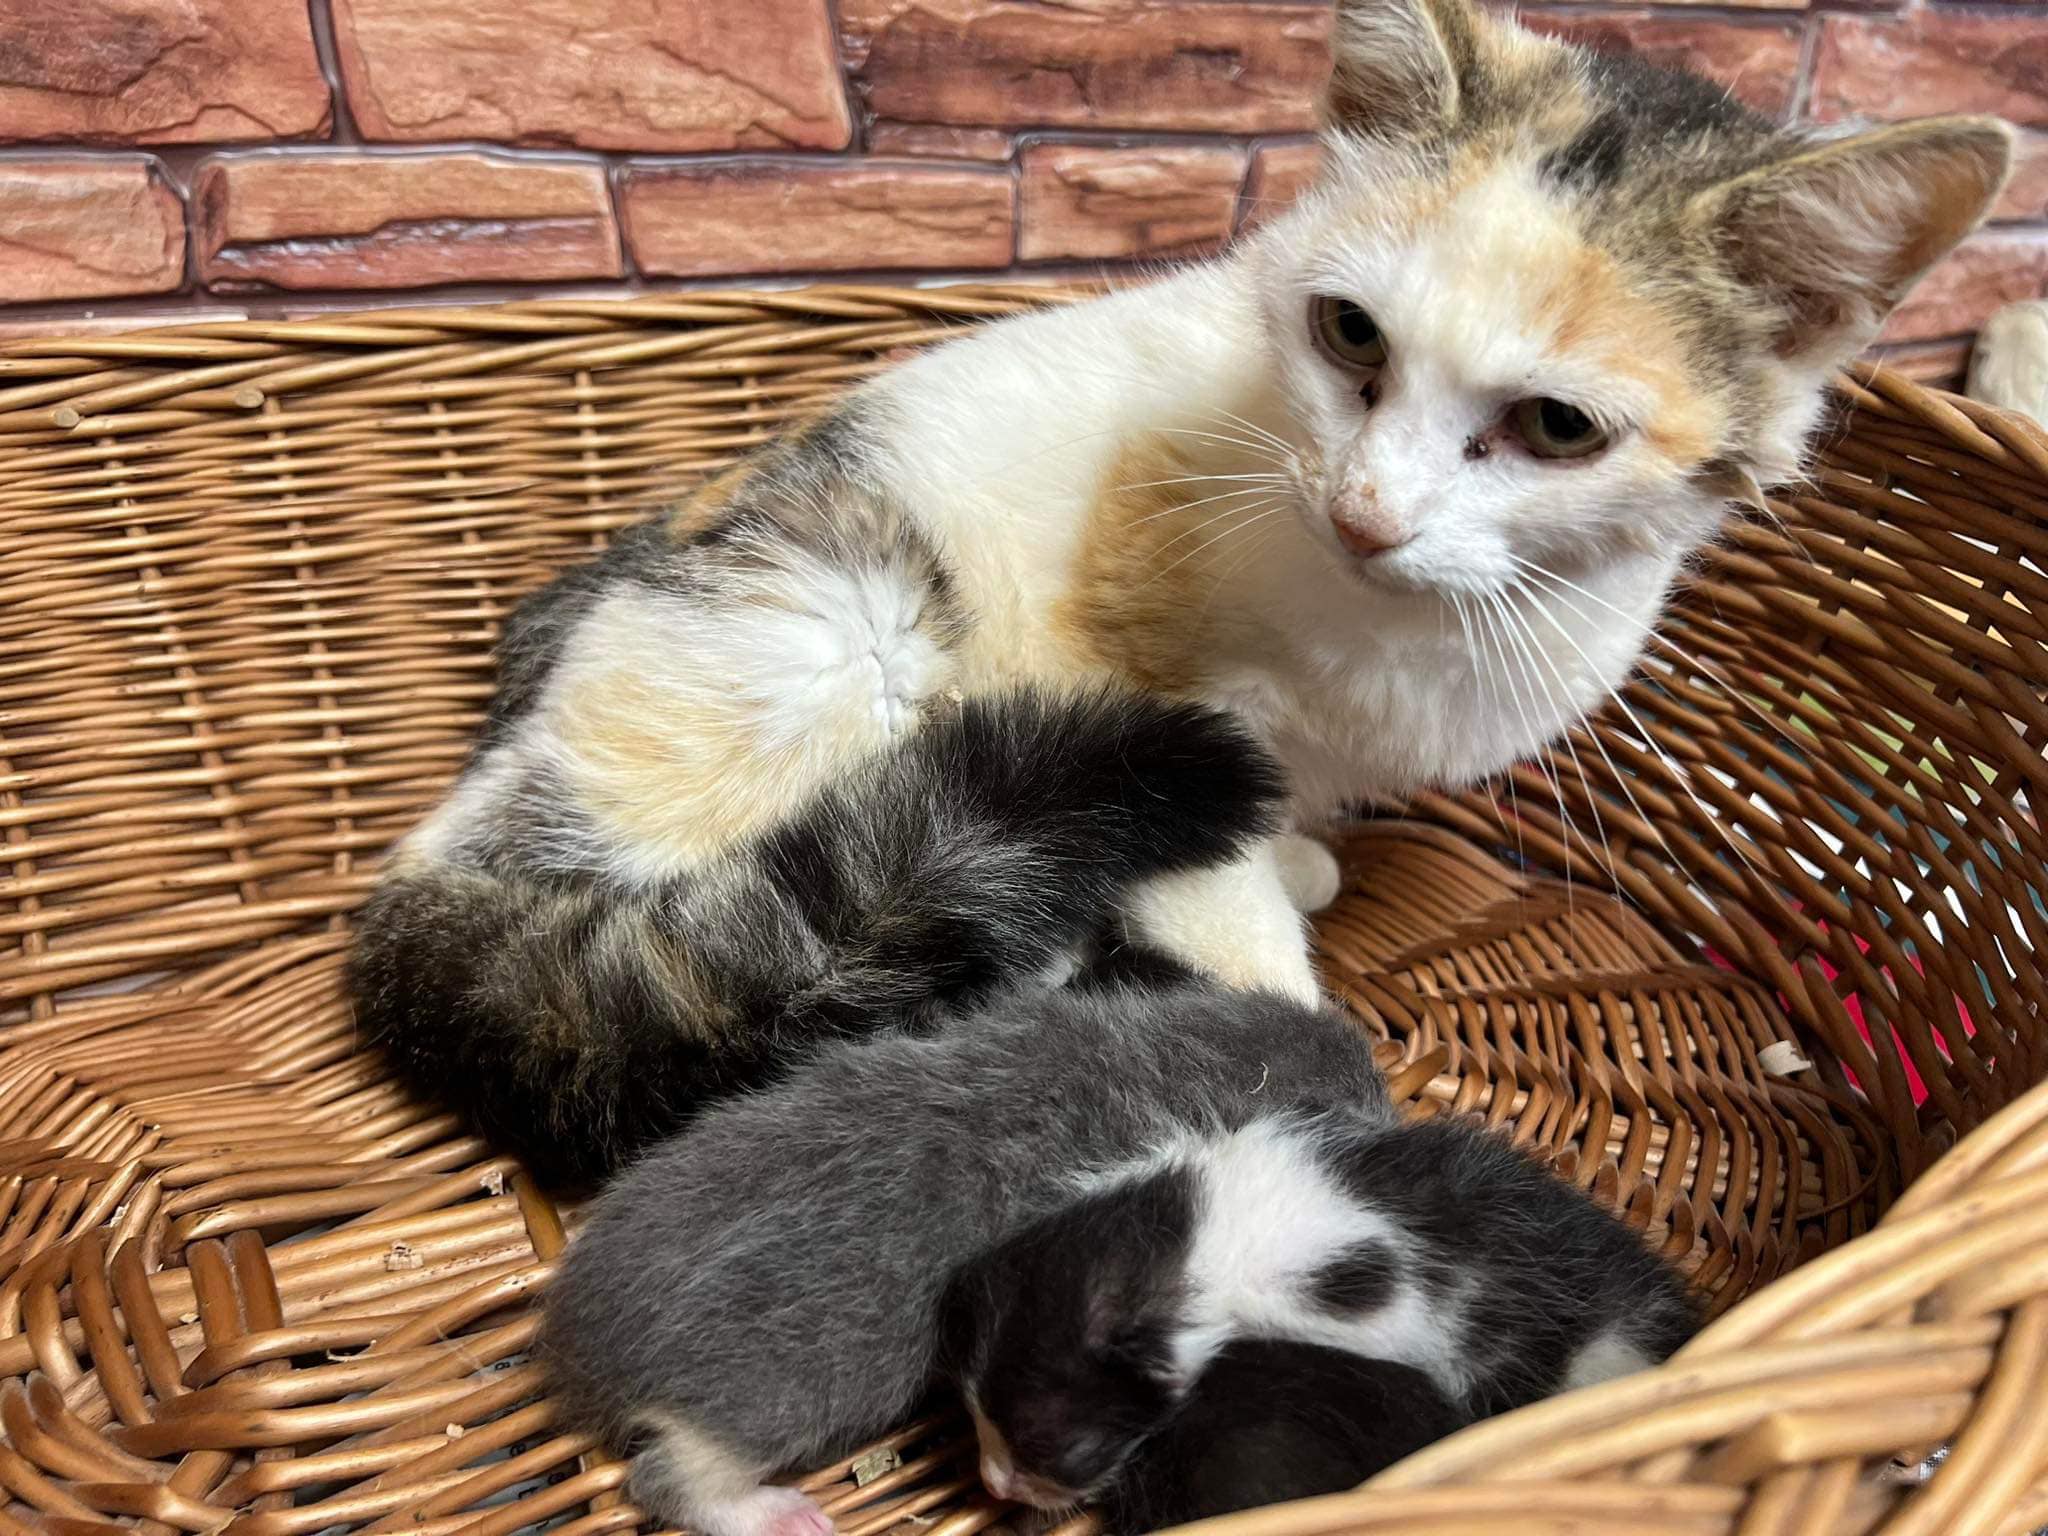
1434 1246
1400 482
762 1291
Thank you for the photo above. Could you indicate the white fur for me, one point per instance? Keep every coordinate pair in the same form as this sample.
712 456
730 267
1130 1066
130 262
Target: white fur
1271 1217
1308 870
684 1476
1605 1357
1238 921
759 697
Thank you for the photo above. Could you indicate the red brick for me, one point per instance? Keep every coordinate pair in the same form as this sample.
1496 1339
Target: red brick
1221 65
1280 173
939 141
1081 202
1758 60
674 75
400 221
1931 61
2026 195
768 216
159 71
88 229
1987 271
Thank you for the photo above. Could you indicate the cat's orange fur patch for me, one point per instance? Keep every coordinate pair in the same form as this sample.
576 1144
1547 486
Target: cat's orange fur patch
701 508
1592 309
1140 601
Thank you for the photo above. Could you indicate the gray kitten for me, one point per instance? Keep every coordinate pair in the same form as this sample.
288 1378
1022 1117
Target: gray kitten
763 1291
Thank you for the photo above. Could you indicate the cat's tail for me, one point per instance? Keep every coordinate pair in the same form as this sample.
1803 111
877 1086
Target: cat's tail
575 1020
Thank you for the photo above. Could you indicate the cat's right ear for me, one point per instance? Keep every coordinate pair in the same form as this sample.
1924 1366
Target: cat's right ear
1834 234
1397 65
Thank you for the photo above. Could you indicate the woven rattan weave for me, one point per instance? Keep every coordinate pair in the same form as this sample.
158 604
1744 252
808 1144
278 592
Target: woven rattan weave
249 577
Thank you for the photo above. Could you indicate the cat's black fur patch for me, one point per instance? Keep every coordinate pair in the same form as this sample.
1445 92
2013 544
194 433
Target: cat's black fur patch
1271 1420
574 1019
1545 1260
1359 1281
1647 110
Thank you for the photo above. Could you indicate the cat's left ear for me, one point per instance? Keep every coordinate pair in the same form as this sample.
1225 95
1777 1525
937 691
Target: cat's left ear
1835 234
1398 65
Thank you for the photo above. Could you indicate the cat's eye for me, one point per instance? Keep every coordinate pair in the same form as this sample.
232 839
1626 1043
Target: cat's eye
1556 429
1347 332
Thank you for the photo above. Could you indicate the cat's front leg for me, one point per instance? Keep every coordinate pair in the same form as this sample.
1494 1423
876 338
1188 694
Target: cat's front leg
1237 922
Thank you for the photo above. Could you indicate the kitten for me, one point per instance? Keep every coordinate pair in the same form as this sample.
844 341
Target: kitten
762 1291
1435 1246
1401 481
1269 1421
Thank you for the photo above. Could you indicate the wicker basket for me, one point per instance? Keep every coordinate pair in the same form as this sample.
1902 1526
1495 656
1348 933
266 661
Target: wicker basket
251 576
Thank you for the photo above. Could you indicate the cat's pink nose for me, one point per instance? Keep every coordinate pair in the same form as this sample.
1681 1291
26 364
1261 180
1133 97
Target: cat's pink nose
1367 542
1364 526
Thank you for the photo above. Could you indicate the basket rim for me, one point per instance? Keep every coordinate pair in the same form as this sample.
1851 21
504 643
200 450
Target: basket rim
2006 437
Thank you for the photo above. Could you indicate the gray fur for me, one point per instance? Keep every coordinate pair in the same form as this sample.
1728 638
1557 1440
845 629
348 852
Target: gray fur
771 1276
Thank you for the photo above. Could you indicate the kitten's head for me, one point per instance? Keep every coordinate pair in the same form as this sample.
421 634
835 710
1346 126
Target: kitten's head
1061 1338
1551 306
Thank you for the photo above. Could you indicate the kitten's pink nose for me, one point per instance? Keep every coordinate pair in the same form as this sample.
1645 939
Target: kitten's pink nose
1364 526
997 1478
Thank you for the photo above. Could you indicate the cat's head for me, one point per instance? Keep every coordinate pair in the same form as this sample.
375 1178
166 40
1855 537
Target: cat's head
1061 1338
1551 306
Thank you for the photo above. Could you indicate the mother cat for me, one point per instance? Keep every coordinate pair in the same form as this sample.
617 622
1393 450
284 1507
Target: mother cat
1398 484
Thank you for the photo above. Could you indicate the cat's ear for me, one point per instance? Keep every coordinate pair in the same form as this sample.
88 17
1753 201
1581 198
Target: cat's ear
1396 64
1833 235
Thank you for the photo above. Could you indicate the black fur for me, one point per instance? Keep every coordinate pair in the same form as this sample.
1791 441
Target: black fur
1061 1334
1075 1379
1554 1266
574 1019
1271 1420
1356 1281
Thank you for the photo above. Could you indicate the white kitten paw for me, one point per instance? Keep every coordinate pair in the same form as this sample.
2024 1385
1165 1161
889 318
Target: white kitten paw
1308 871
766 1512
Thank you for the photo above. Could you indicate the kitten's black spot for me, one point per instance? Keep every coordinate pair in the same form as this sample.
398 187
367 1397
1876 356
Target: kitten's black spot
1362 1280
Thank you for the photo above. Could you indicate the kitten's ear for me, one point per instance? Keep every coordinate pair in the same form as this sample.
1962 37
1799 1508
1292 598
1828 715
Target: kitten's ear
1835 234
1397 64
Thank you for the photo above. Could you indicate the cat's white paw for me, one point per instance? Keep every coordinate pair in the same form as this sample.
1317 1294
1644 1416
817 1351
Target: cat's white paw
766 1512
1308 871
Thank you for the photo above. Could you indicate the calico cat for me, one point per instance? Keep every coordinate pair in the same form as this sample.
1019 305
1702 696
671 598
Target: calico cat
1400 482
762 1290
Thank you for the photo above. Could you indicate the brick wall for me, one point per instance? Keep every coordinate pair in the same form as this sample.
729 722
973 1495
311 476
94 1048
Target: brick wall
218 158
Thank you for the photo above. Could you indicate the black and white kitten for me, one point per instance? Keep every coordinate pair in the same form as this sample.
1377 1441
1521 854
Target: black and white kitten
1434 1245
766 1290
